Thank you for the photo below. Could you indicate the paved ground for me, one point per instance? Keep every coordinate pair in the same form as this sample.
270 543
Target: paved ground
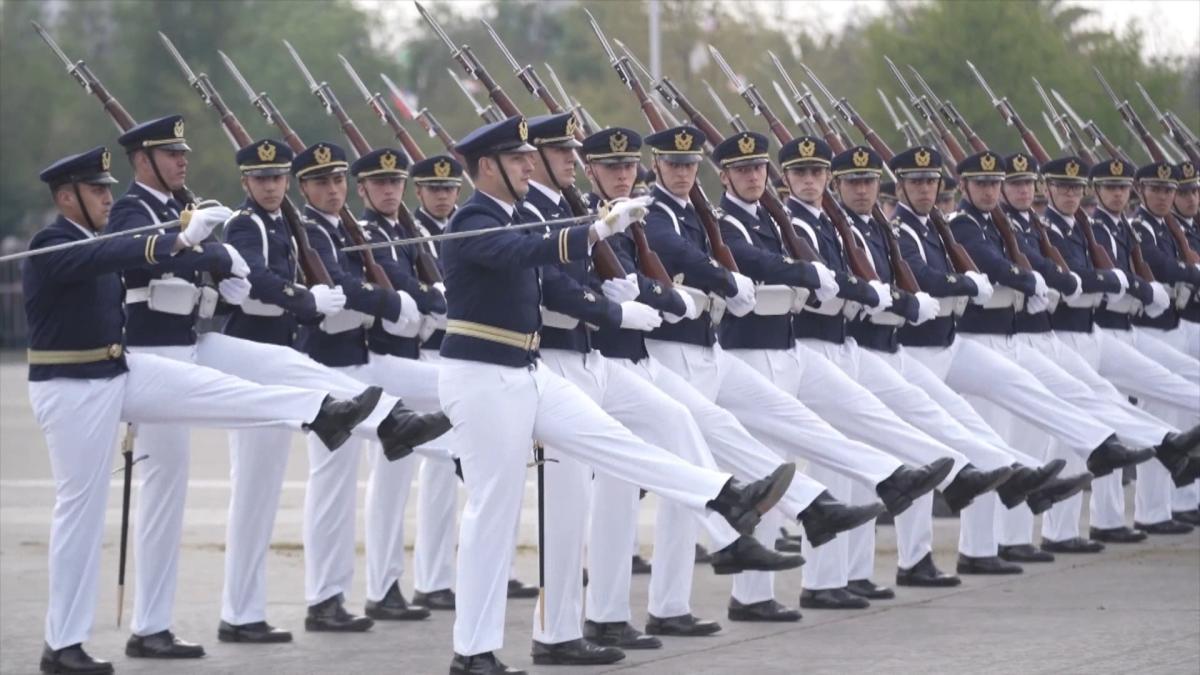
1129 609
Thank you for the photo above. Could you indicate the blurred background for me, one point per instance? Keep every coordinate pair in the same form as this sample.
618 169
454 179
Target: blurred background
44 114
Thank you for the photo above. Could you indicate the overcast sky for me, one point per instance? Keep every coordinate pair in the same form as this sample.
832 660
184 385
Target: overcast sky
1171 27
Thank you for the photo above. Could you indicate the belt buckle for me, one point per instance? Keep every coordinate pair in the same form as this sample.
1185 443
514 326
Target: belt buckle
114 351
534 342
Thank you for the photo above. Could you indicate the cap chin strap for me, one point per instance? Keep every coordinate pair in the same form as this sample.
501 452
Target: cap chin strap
83 208
900 185
158 174
504 174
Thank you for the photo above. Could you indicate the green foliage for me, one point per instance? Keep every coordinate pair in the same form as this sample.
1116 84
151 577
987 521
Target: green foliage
44 115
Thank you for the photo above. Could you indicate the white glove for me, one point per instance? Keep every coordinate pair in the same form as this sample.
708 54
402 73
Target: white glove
1039 288
1036 304
1161 301
829 286
885 297
202 224
1078 288
408 309
636 316
439 287
621 290
742 303
1114 297
984 286
239 268
927 308
621 214
235 290
329 300
691 311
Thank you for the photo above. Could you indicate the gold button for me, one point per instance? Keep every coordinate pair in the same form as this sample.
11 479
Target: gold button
114 351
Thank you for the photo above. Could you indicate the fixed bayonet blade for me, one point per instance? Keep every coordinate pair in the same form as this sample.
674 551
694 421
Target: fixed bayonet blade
820 85
479 110
634 60
787 105
1067 107
1054 132
562 91
237 76
362 86
53 46
1149 101
787 79
397 97
1104 83
728 70
608 50
717 100
187 71
308 76
982 82
437 28
912 95
512 60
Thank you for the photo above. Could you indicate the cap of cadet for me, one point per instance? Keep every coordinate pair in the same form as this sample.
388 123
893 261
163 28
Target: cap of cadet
319 159
1185 174
982 166
506 136
916 163
266 157
615 145
681 145
742 149
857 162
380 163
1161 173
1020 166
554 131
1114 172
164 133
86 167
437 171
1069 170
805 151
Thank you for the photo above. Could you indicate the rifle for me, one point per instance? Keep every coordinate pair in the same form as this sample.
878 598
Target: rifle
427 121
603 257
907 130
116 112
426 264
704 209
959 258
857 259
427 270
1075 141
307 258
1134 123
798 248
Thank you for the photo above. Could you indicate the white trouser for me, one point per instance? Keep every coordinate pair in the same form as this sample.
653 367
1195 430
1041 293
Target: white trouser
1110 361
914 440
164 472
1184 338
654 417
699 436
331 494
1144 368
497 412
80 419
437 506
804 375
1055 359
1165 349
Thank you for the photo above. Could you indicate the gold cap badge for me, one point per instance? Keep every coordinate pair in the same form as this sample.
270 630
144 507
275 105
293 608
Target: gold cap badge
922 158
1189 171
266 152
572 125
441 168
1164 172
746 144
987 162
523 130
105 160
861 158
683 141
179 129
807 148
322 154
1072 168
1020 162
387 161
1116 168
618 142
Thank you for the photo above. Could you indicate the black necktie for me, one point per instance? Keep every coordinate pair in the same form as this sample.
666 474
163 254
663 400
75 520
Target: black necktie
174 206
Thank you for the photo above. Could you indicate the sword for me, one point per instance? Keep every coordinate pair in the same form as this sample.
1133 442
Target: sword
127 453
575 220
98 238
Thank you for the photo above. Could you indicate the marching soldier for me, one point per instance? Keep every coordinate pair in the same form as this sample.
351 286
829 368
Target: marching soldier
82 383
437 180
501 400
1186 503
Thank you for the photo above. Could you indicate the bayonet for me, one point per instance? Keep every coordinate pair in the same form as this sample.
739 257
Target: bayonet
558 86
425 118
787 104
455 51
321 90
1058 140
183 65
203 87
721 104
587 116
526 74
488 113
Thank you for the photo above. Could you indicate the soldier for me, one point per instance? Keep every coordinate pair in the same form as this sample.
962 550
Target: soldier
1025 338
271 314
82 382
970 369
1113 360
438 180
571 305
500 399
1186 503
887 199
164 302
